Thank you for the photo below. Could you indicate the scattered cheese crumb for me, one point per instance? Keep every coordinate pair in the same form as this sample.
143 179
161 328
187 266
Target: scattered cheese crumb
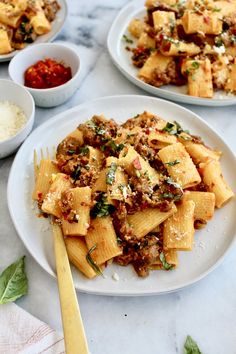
115 277
219 50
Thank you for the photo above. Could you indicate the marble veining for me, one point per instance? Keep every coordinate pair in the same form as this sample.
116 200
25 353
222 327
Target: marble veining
114 325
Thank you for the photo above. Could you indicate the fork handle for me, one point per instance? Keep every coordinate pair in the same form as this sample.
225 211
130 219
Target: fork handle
74 335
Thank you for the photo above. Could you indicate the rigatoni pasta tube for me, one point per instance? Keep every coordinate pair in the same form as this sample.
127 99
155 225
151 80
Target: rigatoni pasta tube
80 199
134 164
100 183
155 63
60 184
159 139
184 171
102 236
142 222
204 204
38 20
178 230
77 252
173 47
201 153
5 44
137 27
206 22
213 178
9 15
199 77
164 21
77 135
117 181
44 178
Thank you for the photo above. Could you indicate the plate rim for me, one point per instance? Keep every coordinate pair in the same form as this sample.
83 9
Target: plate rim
9 56
84 288
159 92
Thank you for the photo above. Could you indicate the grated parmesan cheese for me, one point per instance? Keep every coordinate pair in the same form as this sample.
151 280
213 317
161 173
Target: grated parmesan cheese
12 119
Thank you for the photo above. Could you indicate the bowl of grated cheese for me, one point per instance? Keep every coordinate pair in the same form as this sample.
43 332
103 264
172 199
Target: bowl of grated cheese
16 116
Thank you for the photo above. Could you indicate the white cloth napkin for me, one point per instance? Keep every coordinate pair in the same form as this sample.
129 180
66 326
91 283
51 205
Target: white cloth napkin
21 333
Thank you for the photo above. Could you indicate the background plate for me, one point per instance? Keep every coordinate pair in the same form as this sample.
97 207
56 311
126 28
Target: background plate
57 25
121 58
211 243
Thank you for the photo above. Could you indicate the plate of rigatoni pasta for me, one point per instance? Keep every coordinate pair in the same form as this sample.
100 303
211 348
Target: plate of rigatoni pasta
184 51
25 22
142 189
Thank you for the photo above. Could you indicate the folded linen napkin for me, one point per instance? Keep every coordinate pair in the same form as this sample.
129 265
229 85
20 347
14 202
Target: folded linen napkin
21 333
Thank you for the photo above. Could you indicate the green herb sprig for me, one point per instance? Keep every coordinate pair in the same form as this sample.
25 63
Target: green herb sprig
172 163
91 261
164 262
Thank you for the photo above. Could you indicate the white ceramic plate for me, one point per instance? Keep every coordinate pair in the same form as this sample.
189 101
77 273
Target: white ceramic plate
122 59
57 25
211 243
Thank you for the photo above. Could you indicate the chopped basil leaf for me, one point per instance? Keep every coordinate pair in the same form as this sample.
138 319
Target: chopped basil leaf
110 176
172 163
71 152
91 261
13 282
170 128
218 42
191 347
174 128
115 147
76 173
173 196
195 65
137 115
127 39
215 9
165 264
102 208
84 150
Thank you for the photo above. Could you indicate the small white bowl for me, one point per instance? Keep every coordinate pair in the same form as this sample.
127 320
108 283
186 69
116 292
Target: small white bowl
53 96
17 94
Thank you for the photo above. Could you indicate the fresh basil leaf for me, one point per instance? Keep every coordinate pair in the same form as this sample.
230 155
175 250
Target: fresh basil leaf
115 147
195 64
172 163
13 282
71 152
170 128
111 174
84 150
91 261
191 347
102 208
165 264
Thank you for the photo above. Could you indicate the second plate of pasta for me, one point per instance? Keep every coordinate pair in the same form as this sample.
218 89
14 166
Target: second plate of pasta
135 49
175 146
29 23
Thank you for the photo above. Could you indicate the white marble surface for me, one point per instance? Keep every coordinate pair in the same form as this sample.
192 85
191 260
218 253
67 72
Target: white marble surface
114 325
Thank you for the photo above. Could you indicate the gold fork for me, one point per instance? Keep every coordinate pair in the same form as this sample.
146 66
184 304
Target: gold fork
74 334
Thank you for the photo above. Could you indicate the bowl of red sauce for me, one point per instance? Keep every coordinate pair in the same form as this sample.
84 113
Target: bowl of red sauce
49 71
